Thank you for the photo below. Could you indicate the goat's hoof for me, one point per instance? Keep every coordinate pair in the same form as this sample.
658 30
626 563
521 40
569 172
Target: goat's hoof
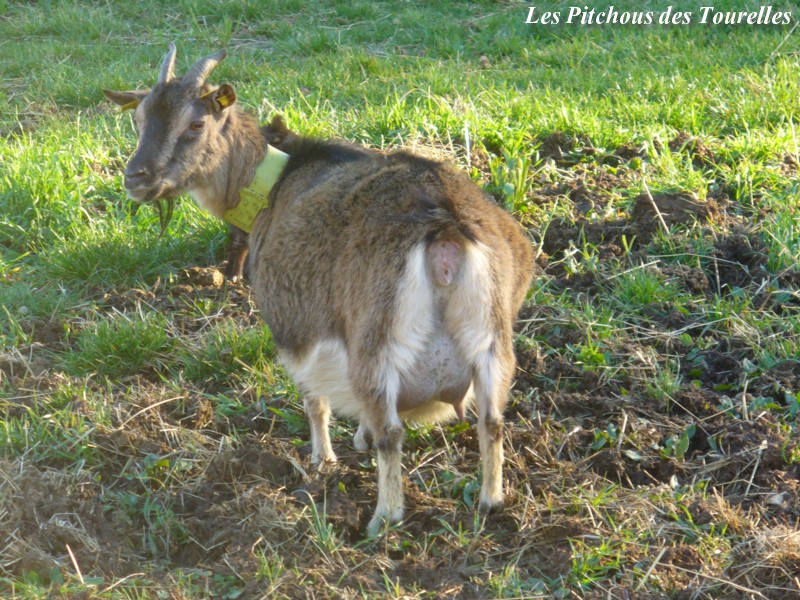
381 521
320 462
233 276
491 507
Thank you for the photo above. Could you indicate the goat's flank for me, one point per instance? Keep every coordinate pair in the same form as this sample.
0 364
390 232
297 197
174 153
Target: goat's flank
390 283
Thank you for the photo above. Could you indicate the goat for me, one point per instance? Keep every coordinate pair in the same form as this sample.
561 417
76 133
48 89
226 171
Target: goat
160 153
390 282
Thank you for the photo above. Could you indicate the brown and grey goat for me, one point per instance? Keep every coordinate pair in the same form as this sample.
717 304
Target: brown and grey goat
390 283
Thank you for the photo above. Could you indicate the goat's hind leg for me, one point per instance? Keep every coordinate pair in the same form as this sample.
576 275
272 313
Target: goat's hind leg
318 413
492 380
361 438
387 433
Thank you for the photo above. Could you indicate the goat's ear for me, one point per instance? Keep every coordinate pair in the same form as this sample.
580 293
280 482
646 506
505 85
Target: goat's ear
223 97
125 100
278 126
277 133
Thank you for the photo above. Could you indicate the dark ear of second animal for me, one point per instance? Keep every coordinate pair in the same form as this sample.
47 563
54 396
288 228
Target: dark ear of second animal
277 134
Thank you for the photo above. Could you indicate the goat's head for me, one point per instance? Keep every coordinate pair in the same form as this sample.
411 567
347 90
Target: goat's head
179 123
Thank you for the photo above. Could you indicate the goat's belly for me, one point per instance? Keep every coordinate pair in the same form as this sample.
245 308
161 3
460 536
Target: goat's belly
435 389
323 372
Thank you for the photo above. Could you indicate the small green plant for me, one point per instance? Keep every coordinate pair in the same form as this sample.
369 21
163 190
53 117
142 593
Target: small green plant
664 383
295 421
151 511
593 563
323 533
590 355
581 260
511 177
465 536
605 437
511 584
792 404
677 445
640 287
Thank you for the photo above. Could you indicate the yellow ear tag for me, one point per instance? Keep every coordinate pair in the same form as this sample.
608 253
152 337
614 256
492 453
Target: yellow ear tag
130 105
225 100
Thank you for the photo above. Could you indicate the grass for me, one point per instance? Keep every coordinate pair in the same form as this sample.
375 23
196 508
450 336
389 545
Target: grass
150 446
121 346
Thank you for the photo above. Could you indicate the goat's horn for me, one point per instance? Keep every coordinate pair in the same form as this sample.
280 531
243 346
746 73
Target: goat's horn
168 66
197 74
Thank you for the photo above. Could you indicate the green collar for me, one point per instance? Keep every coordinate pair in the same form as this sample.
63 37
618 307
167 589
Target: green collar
255 197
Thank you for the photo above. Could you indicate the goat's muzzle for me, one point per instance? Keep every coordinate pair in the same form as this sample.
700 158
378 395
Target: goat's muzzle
142 185
136 179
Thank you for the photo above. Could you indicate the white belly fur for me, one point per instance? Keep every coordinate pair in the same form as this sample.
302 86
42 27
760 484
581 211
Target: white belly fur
323 372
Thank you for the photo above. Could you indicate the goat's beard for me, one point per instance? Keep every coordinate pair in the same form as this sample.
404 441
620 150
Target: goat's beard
165 206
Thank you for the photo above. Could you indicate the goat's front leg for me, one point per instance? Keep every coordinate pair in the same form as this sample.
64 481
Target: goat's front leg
492 382
387 433
238 249
318 413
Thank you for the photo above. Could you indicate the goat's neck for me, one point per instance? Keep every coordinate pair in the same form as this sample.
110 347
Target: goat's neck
240 150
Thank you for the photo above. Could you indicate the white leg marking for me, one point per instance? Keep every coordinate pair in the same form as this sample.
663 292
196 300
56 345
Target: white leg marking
388 437
492 380
318 413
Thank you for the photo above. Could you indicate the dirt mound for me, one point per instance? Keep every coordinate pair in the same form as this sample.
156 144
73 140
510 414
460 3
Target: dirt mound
596 220
47 511
651 212
740 259
564 148
246 464
631 150
700 154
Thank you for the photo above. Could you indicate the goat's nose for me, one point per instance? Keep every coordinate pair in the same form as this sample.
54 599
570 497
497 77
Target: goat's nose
135 175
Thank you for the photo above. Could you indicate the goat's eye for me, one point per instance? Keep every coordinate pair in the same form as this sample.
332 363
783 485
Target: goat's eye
197 126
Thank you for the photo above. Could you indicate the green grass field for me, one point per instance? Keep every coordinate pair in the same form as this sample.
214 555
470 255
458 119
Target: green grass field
150 445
